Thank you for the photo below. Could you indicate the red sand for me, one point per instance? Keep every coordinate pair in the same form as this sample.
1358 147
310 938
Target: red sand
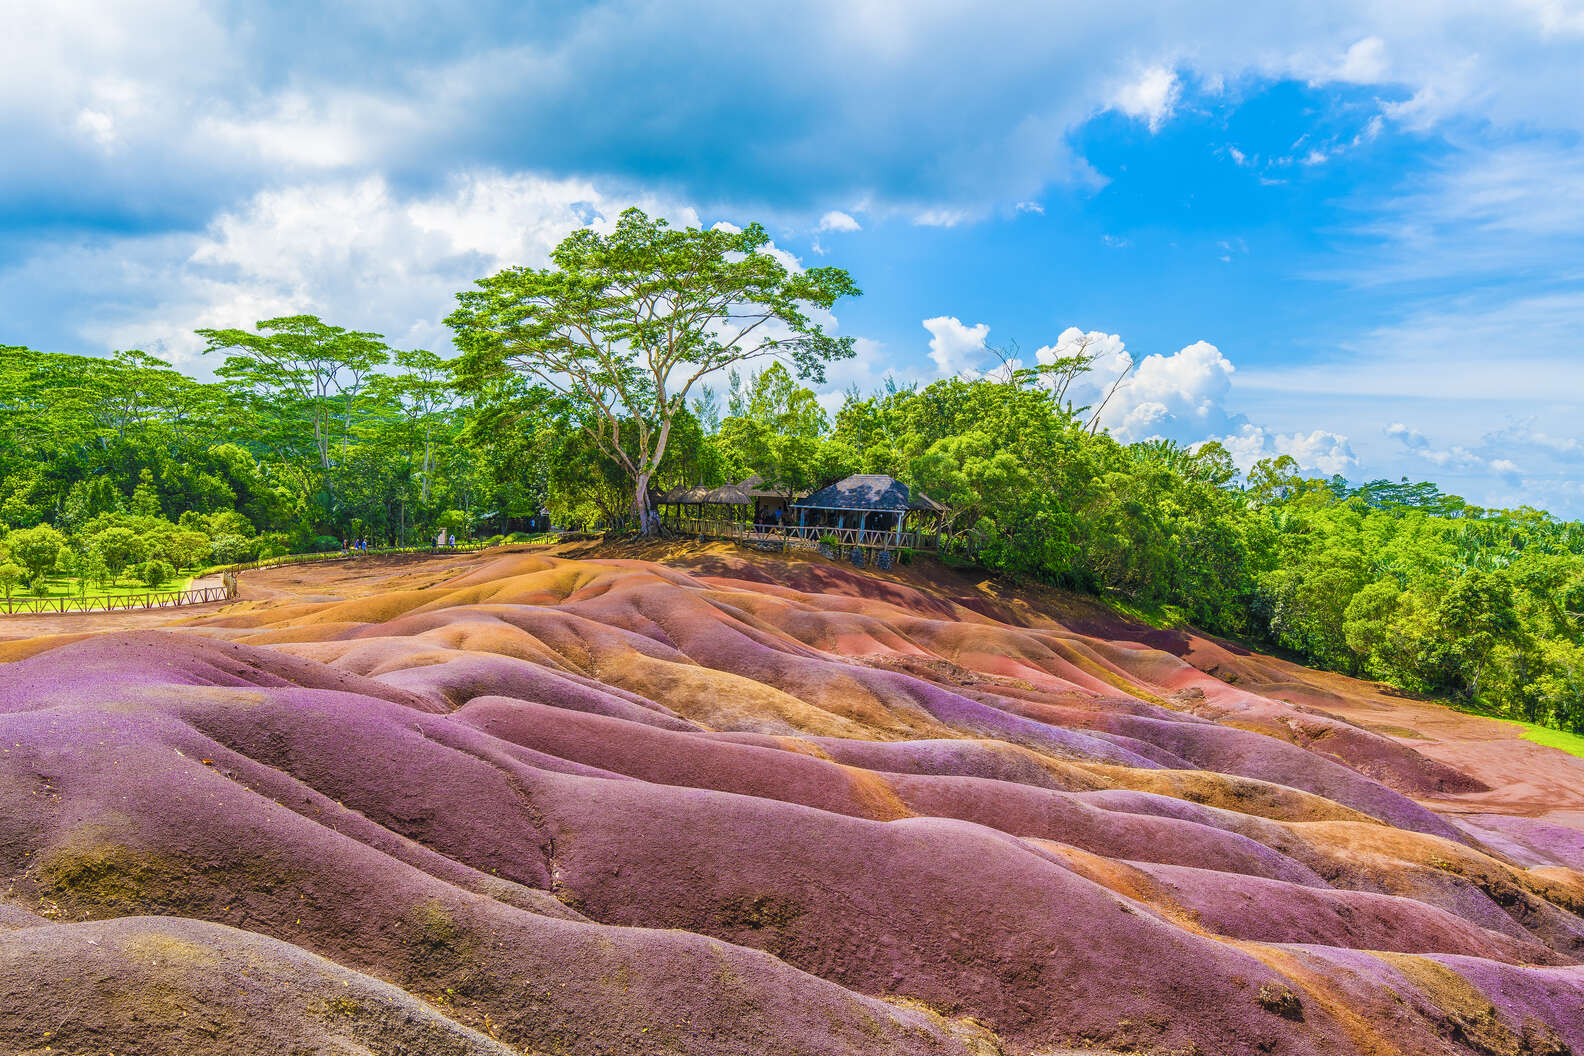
695 800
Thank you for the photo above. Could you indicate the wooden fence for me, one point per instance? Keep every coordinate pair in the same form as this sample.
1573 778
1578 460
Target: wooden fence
154 599
795 535
20 605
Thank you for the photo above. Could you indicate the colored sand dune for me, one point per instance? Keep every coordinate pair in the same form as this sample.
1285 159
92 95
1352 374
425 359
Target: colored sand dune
532 802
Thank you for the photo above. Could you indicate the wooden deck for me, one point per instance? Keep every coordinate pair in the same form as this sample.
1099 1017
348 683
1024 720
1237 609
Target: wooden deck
797 536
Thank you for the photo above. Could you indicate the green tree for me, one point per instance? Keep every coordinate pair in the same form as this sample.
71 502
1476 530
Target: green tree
119 547
775 429
299 370
12 575
156 573
1476 617
36 549
625 325
145 499
93 568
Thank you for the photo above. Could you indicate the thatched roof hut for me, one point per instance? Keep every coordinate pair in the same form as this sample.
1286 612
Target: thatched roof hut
685 496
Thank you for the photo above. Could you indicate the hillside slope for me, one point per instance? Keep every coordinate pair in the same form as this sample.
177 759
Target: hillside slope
725 803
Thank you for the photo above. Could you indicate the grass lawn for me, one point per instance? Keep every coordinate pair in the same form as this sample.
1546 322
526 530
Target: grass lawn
62 587
1572 743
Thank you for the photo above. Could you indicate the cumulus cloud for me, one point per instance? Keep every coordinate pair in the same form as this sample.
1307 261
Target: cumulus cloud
835 220
957 349
1319 451
1184 397
1181 397
1184 393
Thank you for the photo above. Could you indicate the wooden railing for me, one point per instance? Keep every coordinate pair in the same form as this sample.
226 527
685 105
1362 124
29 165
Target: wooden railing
164 599
798 535
154 599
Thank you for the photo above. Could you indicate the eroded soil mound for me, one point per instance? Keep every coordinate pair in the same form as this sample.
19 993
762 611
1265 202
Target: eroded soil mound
531 802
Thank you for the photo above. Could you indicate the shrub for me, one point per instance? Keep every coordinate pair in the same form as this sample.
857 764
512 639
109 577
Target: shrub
187 548
155 573
273 544
323 544
229 549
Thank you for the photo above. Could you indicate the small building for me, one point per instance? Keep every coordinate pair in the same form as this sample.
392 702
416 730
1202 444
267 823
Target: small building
870 509
771 506
752 500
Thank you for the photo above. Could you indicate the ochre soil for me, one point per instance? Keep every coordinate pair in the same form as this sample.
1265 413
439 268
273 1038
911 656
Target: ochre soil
694 799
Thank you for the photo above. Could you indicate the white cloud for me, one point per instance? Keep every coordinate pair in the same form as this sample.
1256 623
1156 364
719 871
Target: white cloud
835 220
955 348
1365 62
97 126
1181 396
941 217
1030 207
359 253
1453 456
1150 97
1525 435
1185 397
426 86
1319 451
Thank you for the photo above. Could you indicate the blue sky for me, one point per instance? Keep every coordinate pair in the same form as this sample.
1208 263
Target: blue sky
1350 234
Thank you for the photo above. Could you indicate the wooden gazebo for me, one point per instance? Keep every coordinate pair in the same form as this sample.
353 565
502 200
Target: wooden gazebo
870 510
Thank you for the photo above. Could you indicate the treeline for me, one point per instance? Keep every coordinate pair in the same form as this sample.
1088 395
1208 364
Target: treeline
106 465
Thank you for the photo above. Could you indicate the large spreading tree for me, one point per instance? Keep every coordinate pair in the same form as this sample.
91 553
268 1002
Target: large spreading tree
626 325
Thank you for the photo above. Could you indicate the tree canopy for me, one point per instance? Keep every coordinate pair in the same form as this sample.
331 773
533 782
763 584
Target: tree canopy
625 325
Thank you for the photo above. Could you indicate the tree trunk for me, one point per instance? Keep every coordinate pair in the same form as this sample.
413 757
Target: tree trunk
648 522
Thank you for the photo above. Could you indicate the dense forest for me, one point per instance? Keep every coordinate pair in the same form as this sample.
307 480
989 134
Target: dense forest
311 435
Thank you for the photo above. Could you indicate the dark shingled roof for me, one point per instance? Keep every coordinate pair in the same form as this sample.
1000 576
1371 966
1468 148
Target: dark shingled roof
868 491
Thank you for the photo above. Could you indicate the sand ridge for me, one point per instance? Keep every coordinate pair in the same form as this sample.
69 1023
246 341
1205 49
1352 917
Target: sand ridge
687 799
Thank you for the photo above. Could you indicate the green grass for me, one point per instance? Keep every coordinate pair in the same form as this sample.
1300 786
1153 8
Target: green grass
62 587
1163 616
1572 743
